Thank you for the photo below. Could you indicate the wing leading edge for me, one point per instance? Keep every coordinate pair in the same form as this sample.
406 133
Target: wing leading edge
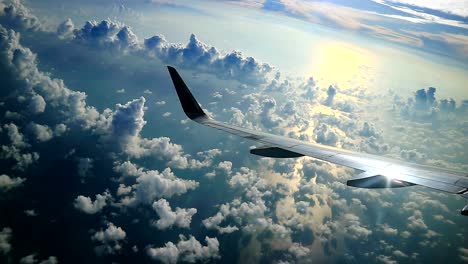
379 172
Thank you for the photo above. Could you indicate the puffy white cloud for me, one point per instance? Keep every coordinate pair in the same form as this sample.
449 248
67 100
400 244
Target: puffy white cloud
127 121
71 105
326 135
65 29
110 239
16 138
37 104
41 133
5 236
186 250
31 259
214 222
386 229
225 166
416 221
198 55
152 184
107 33
353 227
168 218
15 15
8 183
86 205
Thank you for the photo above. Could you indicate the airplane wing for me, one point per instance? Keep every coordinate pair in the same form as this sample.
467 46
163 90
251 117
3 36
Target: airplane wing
379 172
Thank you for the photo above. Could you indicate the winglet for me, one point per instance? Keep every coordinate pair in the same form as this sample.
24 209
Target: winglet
191 107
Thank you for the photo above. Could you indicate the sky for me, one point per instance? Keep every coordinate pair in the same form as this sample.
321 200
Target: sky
99 164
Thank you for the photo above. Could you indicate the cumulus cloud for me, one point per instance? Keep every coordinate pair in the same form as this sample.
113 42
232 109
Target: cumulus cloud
214 222
127 121
15 136
198 55
168 218
331 92
5 236
152 184
86 205
65 29
110 239
326 135
186 250
7 183
41 133
71 105
416 221
16 16
31 259
37 104
107 33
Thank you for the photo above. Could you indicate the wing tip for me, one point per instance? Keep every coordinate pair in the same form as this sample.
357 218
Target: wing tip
189 104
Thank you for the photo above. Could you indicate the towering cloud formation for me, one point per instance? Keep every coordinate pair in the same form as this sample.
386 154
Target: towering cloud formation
197 55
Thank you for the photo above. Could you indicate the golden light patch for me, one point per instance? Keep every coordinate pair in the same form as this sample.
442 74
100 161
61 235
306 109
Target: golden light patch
343 64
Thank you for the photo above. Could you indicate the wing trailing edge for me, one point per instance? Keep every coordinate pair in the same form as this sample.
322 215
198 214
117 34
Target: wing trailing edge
379 172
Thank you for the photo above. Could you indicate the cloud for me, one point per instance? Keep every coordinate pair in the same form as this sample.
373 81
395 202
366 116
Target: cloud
354 229
200 56
86 205
65 29
68 104
110 239
15 15
108 34
84 166
186 250
326 135
463 254
214 222
5 236
416 221
41 133
152 184
7 183
37 104
331 92
127 121
15 136
455 7
168 218
31 259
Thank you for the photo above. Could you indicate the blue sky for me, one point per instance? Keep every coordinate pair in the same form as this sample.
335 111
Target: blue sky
97 155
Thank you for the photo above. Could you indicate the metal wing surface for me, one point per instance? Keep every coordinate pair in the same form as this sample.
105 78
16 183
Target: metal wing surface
379 172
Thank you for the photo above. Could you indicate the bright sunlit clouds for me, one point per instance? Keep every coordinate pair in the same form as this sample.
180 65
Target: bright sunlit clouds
344 64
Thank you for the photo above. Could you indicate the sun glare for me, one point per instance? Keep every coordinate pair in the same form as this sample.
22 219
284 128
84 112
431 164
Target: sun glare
342 63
